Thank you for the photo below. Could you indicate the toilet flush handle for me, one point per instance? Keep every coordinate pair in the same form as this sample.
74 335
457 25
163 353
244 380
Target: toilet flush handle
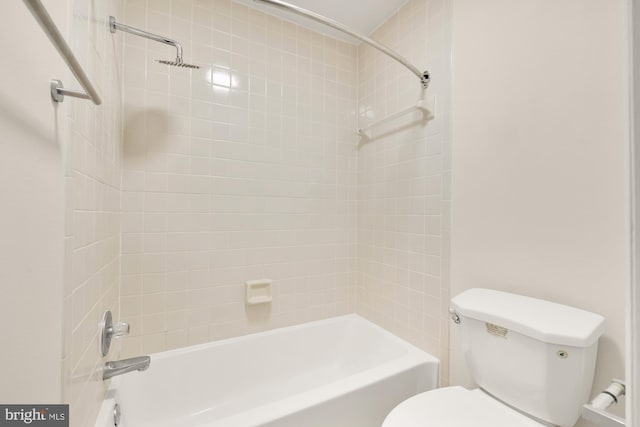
454 316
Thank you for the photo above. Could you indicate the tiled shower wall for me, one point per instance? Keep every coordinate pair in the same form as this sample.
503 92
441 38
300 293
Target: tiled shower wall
403 180
92 151
244 169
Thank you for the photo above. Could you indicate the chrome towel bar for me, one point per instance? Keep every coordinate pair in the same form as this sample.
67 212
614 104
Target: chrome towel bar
57 90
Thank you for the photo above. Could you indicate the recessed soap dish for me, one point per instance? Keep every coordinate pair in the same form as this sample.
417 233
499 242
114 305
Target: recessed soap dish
259 291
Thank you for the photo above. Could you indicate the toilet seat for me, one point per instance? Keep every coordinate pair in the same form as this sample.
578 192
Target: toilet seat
455 407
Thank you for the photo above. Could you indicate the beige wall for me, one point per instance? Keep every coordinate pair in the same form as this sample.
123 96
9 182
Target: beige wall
403 180
633 333
32 221
539 203
60 178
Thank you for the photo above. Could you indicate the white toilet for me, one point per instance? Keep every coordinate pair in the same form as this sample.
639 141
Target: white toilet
534 361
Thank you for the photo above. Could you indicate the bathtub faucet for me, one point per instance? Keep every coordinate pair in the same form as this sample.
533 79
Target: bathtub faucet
119 367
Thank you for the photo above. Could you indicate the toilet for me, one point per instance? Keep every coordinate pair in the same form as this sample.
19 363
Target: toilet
533 362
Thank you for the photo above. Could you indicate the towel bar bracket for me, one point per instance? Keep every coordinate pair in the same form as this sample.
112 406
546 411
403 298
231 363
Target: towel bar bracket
58 92
56 86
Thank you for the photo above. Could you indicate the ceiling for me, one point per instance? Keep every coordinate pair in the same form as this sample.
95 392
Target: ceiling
364 16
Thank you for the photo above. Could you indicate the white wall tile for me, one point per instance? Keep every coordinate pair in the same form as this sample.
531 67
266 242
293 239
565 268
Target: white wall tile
94 173
216 182
401 175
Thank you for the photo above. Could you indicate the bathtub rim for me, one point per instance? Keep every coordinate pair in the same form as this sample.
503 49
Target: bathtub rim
281 330
411 360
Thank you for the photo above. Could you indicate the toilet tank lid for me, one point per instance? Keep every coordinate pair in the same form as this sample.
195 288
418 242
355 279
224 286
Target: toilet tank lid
539 319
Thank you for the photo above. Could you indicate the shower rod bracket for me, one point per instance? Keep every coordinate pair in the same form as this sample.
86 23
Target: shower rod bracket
425 79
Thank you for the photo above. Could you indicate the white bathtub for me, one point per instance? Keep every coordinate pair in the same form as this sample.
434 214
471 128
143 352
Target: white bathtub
340 372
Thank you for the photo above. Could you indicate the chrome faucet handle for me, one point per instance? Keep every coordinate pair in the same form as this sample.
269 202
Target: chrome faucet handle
110 330
119 329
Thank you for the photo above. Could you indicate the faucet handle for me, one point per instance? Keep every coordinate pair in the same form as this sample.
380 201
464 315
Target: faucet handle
119 329
108 330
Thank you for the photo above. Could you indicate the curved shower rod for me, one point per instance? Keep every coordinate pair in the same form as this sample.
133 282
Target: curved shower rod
423 76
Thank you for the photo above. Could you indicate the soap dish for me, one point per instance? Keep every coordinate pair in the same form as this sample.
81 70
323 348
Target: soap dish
259 291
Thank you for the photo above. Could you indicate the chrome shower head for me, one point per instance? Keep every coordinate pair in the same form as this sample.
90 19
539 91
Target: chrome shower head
177 64
114 26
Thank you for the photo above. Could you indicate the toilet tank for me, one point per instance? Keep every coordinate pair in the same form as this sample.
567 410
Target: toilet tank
534 355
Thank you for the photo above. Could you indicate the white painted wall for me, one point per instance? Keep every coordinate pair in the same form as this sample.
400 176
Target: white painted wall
539 203
59 181
633 304
31 220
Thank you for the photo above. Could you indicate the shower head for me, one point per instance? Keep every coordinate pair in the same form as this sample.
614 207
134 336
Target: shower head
177 63
114 26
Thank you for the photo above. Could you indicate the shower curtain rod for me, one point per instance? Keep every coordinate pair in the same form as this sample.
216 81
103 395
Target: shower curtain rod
423 76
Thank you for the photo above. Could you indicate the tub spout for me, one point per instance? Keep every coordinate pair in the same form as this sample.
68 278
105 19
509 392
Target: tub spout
119 367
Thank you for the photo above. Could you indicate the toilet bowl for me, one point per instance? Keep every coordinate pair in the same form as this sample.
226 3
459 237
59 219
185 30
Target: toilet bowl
455 407
533 362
